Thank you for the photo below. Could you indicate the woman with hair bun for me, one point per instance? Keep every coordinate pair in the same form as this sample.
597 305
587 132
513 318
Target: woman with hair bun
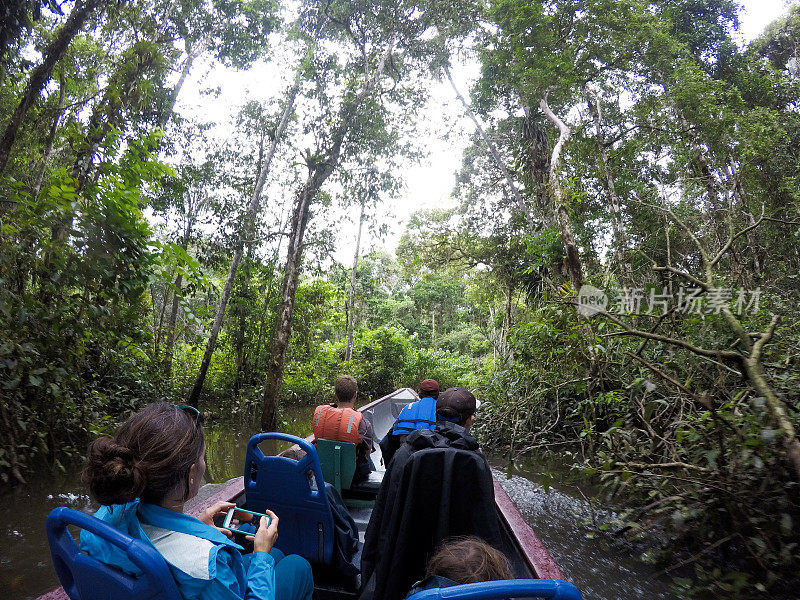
144 476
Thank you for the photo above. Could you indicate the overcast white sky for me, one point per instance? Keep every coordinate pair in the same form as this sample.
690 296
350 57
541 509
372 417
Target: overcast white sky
446 134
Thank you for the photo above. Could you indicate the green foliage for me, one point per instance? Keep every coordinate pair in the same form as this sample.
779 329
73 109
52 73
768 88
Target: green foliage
71 350
112 263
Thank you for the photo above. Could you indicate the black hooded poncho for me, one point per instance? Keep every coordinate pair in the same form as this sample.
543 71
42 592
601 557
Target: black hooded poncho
438 485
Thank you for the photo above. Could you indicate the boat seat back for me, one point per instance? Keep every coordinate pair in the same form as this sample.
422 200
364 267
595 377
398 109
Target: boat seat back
295 491
86 578
431 494
554 589
338 462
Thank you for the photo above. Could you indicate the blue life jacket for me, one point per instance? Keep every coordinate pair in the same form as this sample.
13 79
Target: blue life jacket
416 415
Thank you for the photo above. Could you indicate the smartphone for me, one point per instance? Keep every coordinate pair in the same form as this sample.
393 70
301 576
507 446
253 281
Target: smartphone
237 517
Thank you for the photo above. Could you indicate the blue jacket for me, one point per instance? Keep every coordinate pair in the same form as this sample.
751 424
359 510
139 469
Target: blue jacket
205 564
416 415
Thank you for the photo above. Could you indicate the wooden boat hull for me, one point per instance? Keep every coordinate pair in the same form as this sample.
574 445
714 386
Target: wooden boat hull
525 551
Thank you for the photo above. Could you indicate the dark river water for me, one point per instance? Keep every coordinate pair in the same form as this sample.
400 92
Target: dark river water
601 569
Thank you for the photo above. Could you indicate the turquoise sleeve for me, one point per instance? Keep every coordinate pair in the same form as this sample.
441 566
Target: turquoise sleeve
261 577
233 581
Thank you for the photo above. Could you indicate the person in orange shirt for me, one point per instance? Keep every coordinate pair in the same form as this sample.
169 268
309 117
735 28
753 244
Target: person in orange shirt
342 422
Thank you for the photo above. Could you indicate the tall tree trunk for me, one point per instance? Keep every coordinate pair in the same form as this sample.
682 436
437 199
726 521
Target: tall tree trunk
351 298
573 259
248 227
262 325
716 183
283 319
753 236
41 74
620 236
507 319
158 324
194 396
192 213
704 164
318 173
107 114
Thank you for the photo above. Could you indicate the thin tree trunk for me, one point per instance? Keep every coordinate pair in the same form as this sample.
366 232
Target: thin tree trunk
283 319
704 164
249 225
495 155
262 324
753 236
560 204
108 112
191 55
240 333
194 396
41 74
620 236
351 300
169 345
51 136
716 190
104 116
507 319
158 325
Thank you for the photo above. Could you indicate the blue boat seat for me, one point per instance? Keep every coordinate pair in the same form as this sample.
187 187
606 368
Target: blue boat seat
295 491
554 589
86 578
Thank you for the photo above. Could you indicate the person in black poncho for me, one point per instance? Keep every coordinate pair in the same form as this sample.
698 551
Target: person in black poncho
438 485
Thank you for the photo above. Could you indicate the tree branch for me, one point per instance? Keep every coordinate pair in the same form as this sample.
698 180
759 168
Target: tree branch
628 330
734 237
699 398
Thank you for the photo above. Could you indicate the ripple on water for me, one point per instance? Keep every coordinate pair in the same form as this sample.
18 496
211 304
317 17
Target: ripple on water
599 568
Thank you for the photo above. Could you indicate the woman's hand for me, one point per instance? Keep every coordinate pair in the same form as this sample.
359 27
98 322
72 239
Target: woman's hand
216 510
265 537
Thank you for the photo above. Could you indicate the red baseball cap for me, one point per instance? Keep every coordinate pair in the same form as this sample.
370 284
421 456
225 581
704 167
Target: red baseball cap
429 385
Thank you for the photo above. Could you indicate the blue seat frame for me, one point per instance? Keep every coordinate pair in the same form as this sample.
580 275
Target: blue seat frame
295 491
553 589
86 578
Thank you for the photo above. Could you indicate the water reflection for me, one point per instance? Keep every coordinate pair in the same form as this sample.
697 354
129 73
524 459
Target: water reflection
226 443
25 567
599 567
